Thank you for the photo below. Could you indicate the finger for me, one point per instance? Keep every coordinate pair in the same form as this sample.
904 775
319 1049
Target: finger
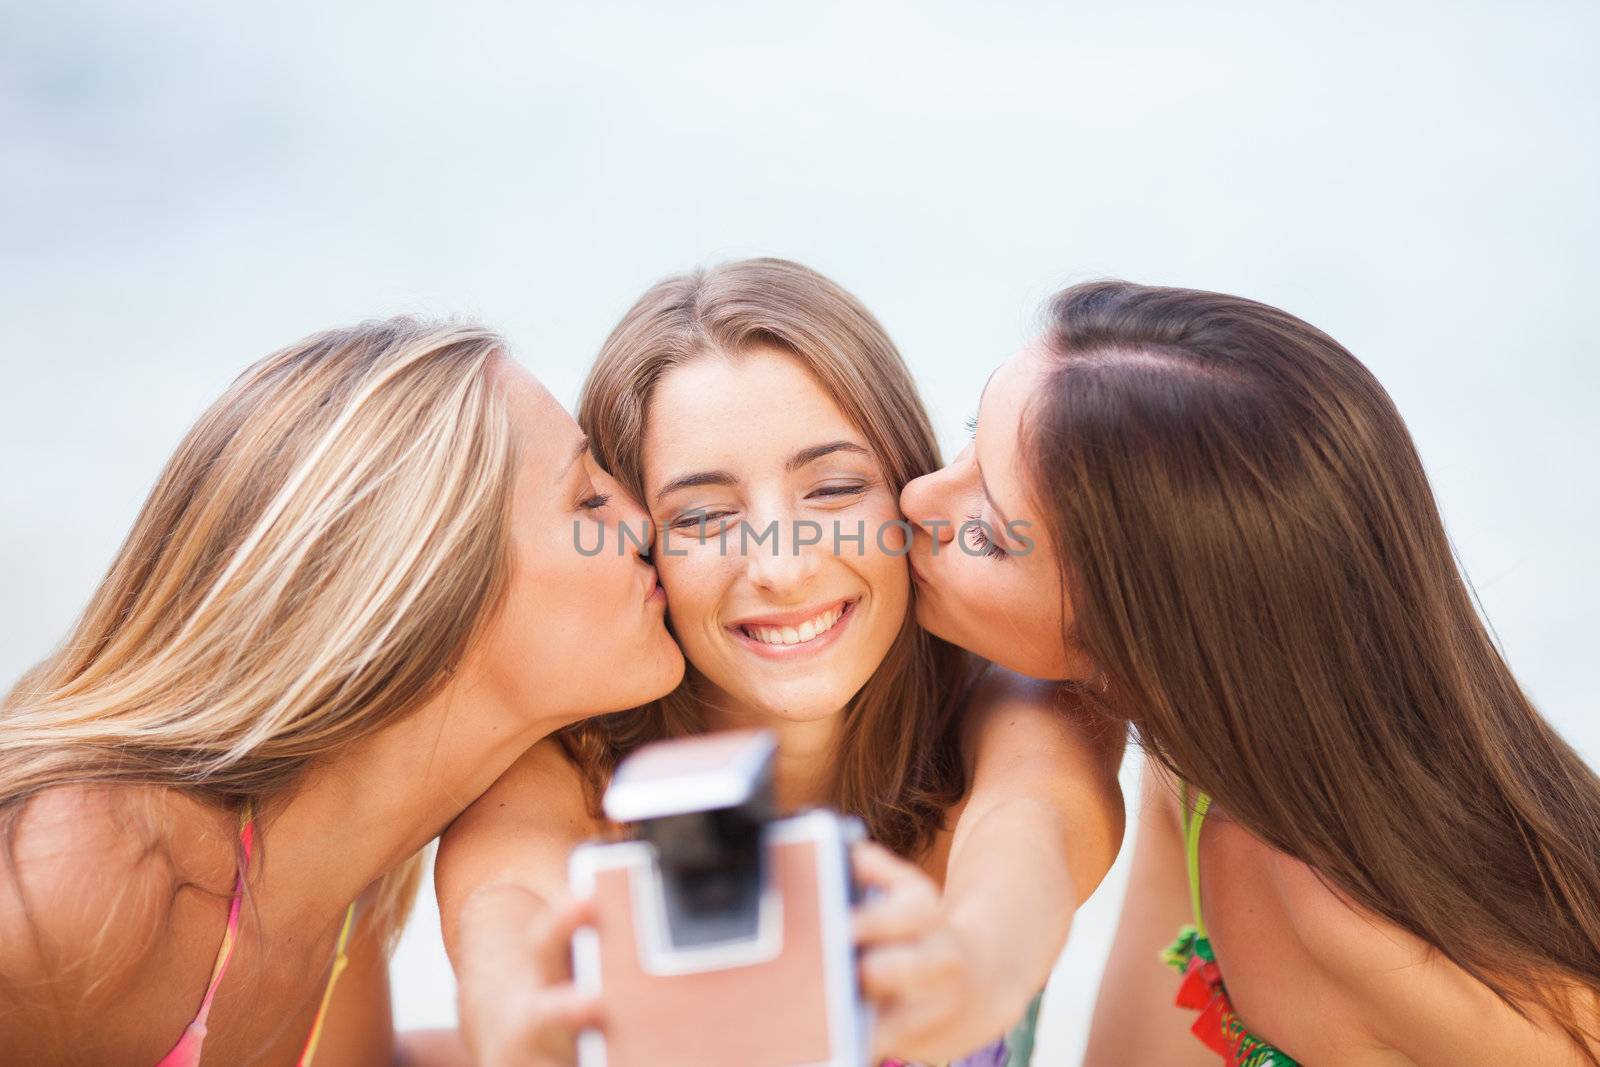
908 901
568 1010
552 944
904 916
878 868
558 924
895 972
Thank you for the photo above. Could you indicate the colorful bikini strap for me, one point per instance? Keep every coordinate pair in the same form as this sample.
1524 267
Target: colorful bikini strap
230 936
1193 818
340 961
186 1053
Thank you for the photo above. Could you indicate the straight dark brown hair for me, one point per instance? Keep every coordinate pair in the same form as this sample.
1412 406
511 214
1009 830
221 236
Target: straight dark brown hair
1254 557
899 765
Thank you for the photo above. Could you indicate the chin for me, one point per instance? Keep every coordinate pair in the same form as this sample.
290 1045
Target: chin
673 676
667 676
803 708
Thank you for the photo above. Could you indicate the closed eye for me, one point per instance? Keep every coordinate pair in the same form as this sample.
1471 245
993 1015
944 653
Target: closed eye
978 537
841 490
695 519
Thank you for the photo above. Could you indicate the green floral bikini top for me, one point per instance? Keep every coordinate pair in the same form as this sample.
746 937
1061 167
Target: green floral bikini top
1202 990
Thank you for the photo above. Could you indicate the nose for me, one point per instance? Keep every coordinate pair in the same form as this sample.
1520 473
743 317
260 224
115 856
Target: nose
925 502
781 566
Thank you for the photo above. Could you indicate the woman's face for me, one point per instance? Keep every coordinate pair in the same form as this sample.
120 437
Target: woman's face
994 589
579 634
745 458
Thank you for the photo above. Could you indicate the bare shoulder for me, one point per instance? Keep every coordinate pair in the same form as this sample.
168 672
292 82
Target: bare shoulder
1013 713
1345 939
1039 751
1405 992
1415 999
519 832
543 791
86 885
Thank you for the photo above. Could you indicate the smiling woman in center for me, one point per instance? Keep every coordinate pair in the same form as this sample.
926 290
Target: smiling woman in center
768 424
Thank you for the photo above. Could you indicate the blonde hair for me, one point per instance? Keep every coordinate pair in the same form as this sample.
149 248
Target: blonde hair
312 562
900 768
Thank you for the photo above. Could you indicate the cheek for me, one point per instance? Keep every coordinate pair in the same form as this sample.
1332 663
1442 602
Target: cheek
1039 605
882 565
537 629
1014 616
978 600
971 598
692 582
888 532
564 599
888 575
1010 596
562 566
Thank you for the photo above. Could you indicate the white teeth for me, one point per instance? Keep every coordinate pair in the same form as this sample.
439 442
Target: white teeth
791 635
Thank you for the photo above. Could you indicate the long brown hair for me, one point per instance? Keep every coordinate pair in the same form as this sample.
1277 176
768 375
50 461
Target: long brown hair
315 557
1254 558
899 767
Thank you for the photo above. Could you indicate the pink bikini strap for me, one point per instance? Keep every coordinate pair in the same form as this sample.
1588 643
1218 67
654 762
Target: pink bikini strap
247 837
187 1051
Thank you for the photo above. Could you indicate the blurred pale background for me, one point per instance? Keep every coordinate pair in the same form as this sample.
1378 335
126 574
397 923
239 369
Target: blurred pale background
186 186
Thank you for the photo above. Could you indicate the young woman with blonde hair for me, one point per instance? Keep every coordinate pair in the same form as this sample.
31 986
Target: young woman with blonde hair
351 601
767 422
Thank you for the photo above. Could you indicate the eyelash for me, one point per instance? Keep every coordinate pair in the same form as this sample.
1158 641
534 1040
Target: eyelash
690 522
980 540
596 502
841 490
972 426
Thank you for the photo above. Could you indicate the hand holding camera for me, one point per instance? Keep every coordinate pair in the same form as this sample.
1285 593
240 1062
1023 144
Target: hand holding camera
921 973
722 934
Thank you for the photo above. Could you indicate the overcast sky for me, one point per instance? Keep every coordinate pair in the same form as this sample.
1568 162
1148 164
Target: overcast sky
186 186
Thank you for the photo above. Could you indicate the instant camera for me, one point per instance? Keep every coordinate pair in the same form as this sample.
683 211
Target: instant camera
722 935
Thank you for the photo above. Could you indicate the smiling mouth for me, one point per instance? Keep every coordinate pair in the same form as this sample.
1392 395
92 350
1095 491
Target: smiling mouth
802 633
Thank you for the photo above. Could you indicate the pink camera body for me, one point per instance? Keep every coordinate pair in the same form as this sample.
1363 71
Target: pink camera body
741 954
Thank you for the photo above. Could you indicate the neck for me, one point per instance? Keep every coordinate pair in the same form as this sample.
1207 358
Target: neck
362 815
804 769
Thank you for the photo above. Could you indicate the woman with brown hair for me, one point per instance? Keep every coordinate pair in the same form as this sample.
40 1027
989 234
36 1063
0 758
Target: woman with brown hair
349 603
767 422
1230 536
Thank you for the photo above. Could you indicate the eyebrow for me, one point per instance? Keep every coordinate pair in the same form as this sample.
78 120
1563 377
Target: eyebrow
695 480
577 453
726 478
816 452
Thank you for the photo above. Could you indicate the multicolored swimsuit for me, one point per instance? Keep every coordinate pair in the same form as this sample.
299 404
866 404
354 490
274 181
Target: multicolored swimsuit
1015 1049
1219 1026
186 1053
